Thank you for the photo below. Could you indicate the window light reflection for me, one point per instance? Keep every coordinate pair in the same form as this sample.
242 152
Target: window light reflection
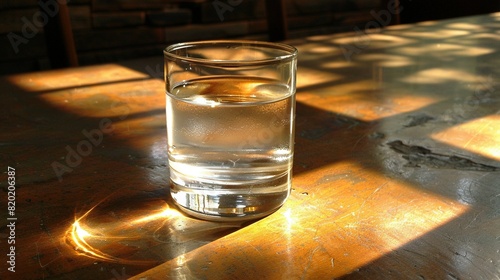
79 236
167 213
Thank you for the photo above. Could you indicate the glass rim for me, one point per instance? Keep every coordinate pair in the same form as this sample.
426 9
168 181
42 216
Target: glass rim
289 52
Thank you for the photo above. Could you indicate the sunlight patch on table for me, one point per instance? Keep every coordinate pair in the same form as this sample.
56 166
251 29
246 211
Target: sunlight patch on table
364 100
439 34
318 48
480 136
109 100
483 36
375 217
74 77
338 64
442 75
387 60
365 40
445 51
307 77
466 26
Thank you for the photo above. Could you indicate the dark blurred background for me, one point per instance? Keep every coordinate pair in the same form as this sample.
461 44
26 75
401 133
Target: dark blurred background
34 37
422 10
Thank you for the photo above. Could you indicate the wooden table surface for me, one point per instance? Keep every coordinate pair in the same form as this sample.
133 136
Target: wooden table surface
396 171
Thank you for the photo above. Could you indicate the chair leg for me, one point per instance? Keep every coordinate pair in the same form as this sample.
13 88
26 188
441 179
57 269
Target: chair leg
276 20
59 38
392 5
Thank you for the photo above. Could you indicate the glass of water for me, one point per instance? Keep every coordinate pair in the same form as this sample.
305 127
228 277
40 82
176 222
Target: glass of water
230 127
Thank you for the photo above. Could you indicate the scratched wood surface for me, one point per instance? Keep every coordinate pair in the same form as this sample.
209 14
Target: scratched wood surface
396 171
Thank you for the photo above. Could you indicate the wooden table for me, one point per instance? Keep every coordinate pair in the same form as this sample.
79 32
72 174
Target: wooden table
396 173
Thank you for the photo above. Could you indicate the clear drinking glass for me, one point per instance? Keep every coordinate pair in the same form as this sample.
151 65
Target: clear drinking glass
230 127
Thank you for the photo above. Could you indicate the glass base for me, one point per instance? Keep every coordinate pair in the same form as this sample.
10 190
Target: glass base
227 205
